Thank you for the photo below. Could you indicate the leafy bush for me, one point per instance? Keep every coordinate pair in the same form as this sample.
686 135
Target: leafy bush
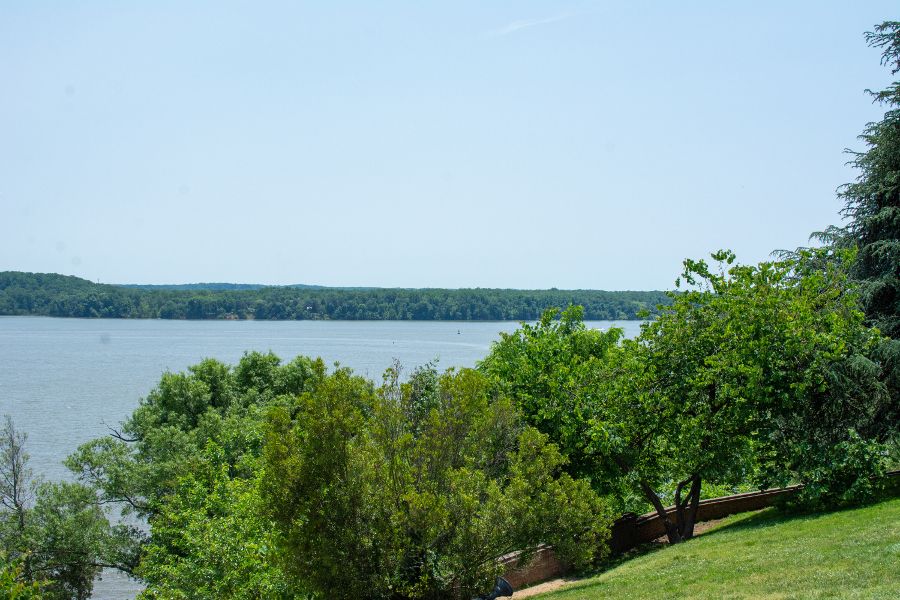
849 473
416 489
12 581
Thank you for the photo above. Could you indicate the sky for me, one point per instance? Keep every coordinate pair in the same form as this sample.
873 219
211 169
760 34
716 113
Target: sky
527 144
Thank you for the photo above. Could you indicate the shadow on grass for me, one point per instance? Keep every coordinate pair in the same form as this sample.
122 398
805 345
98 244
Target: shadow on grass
612 562
762 519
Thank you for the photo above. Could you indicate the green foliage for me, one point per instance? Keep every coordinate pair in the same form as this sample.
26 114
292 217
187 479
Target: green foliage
12 582
188 461
848 473
751 374
166 435
414 490
271 480
60 296
547 368
872 202
55 538
210 542
754 372
69 536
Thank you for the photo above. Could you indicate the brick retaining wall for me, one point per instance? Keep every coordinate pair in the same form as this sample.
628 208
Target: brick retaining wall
542 567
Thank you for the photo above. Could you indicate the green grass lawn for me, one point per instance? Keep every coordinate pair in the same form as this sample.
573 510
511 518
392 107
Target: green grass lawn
845 554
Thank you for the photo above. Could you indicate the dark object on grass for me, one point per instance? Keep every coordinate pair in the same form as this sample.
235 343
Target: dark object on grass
501 588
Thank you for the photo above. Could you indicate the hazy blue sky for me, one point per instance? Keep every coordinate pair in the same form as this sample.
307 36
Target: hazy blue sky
493 144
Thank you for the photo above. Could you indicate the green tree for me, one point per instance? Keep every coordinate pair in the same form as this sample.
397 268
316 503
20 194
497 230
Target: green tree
210 541
188 461
70 540
415 489
17 491
753 373
57 295
271 480
872 202
546 368
165 437
57 535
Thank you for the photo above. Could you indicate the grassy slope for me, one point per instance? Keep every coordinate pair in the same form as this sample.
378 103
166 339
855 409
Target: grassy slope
847 554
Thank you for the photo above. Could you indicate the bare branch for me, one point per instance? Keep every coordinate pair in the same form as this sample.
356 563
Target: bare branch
118 435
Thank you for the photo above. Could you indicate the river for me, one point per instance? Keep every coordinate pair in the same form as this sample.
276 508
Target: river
64 380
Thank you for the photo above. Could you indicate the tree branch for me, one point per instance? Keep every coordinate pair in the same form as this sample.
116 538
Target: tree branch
118 435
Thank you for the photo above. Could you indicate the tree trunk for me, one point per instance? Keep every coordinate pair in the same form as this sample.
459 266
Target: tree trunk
690 514
671 530
679 523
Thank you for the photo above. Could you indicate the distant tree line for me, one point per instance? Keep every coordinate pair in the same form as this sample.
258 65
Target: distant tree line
55 295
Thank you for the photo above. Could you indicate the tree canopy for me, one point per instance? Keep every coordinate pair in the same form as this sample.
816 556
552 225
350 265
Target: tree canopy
546 367
753 374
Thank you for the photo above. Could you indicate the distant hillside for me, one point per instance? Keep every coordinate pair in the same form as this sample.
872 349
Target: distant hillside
55 295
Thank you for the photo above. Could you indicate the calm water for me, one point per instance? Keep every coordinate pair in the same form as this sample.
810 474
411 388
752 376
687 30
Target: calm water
62 380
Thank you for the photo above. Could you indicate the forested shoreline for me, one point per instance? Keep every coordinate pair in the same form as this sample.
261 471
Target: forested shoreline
50 294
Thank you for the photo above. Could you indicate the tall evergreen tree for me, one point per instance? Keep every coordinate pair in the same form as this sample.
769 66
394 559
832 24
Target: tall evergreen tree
872 202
